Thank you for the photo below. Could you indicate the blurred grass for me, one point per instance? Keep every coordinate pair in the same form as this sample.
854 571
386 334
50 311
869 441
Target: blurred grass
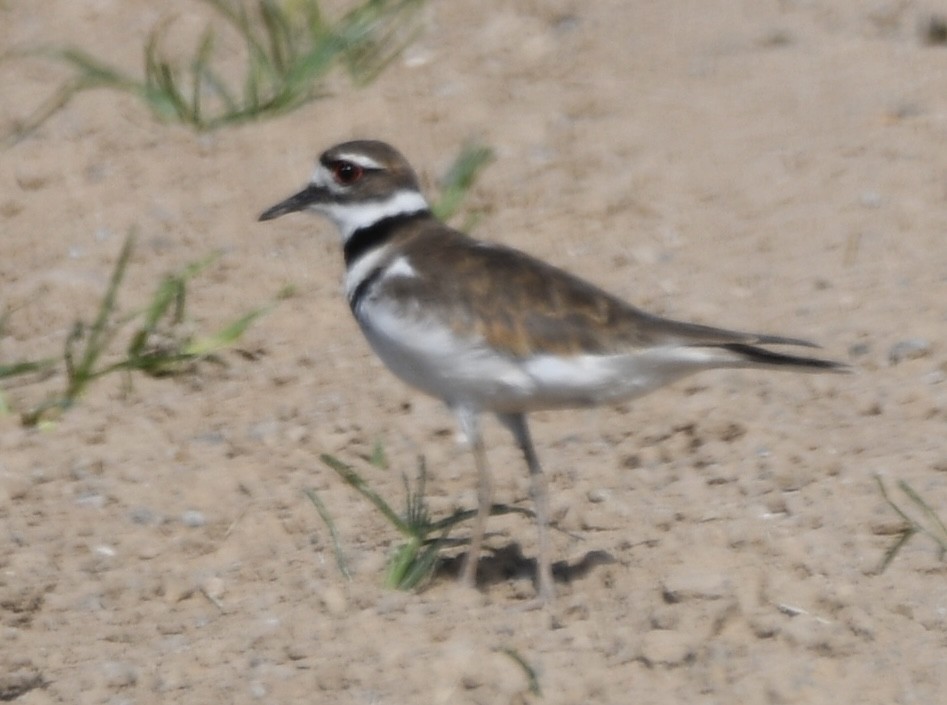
532 679
21 367
922 519
289 49
159 345
459 179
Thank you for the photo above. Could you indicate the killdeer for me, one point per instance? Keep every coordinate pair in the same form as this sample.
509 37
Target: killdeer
487 328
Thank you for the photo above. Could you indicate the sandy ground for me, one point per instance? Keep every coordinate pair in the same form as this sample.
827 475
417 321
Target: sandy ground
776 166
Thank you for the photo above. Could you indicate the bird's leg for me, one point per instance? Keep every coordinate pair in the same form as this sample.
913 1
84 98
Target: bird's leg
537 487
471 427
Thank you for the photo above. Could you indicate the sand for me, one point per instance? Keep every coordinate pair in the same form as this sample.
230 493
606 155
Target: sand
772 166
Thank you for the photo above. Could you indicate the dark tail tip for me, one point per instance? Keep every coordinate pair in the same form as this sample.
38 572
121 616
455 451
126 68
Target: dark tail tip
775 359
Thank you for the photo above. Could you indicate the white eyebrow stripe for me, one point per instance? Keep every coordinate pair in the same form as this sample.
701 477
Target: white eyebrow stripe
362 160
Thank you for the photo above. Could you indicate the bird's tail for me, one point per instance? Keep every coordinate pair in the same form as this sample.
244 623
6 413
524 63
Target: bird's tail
754 355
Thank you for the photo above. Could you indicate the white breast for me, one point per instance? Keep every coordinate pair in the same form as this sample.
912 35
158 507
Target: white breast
428 355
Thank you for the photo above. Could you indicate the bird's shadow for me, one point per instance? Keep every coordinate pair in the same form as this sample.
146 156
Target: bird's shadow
508 563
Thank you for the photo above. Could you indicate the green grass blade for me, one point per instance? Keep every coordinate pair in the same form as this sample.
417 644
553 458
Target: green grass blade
199 72
165 295
939 534
26 367
887 498
216 84
226 336
289 50
423 565
894 548
323 511
52 105
401 563
462 515
937 531
355 480
99 336
279 35
159 89
236 16
313 20
460 178
171 290
532 679
93 72
375 34
378 457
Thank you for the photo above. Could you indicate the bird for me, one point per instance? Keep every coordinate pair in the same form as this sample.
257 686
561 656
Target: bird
487 328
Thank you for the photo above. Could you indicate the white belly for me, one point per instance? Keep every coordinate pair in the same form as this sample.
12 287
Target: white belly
434 360
466 371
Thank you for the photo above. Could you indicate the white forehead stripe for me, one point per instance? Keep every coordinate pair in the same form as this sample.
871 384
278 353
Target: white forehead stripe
323 179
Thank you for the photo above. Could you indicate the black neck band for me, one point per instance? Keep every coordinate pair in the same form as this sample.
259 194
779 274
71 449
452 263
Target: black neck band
373 235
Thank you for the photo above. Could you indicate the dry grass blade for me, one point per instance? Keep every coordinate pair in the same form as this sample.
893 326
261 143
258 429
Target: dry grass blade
355 480
931 525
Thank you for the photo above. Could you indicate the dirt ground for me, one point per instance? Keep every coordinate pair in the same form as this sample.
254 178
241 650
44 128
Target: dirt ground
772 166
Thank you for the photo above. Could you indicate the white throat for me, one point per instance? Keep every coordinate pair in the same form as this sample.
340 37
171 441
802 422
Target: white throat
349 217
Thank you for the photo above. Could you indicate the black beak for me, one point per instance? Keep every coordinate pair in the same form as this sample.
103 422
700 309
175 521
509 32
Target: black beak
296 202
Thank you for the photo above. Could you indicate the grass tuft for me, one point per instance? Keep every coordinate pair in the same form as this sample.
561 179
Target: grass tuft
289 50
159 345
414 561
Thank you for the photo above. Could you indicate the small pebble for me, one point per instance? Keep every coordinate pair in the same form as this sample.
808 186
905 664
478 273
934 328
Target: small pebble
859 349
93 500
689 583
214 588
193 518
142 515
119 674
910 349
598 495
149 551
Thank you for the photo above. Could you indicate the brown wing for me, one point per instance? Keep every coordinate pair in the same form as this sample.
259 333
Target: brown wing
523 305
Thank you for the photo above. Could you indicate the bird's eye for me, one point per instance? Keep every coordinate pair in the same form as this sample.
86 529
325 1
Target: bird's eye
346 173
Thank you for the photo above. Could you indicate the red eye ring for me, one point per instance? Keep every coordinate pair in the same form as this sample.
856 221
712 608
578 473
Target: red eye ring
346 173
